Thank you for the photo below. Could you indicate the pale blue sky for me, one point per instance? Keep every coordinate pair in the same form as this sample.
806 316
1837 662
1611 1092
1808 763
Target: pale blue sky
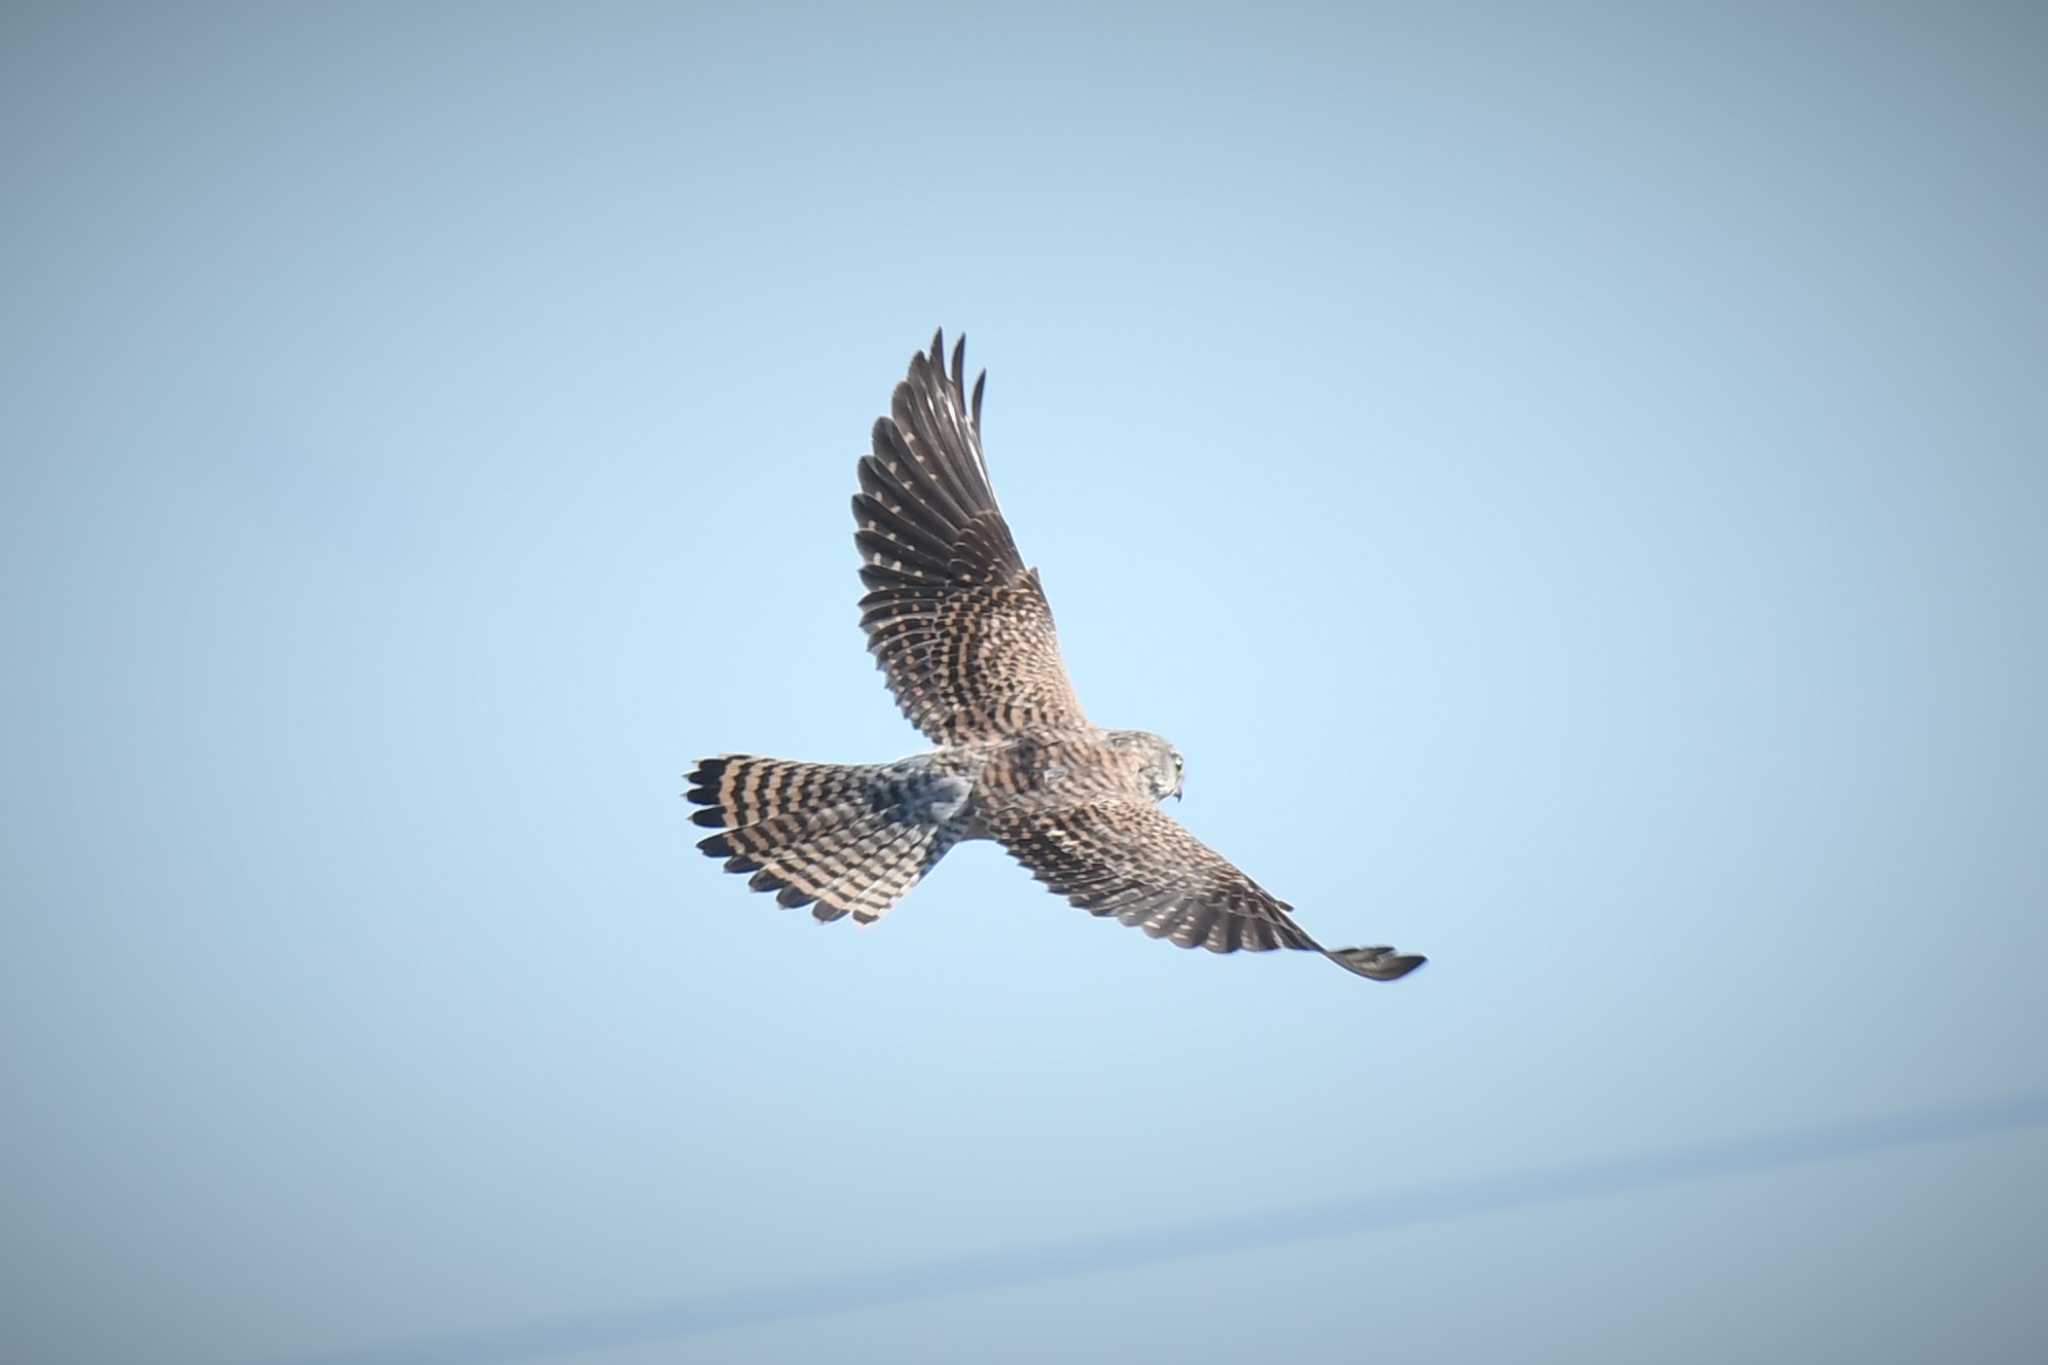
1572 484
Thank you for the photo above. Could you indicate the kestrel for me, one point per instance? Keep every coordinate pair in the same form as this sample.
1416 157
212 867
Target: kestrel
961 629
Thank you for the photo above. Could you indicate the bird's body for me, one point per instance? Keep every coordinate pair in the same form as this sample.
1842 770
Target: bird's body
1053 771
961 628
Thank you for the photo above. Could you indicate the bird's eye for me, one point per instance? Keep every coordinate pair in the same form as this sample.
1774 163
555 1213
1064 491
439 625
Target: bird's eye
1177 764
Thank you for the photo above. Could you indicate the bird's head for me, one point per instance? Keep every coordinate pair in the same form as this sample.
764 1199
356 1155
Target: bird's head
1159 763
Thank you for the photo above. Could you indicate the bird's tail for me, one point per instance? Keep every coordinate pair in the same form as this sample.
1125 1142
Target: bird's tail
854 838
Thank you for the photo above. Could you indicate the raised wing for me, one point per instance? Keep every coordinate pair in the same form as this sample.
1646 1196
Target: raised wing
954 619
1132 861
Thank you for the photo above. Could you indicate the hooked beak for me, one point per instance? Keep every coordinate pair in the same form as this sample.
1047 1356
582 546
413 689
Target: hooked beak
1176 789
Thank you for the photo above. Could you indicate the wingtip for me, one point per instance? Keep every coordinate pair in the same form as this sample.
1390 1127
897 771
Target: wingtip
943 370
1378 964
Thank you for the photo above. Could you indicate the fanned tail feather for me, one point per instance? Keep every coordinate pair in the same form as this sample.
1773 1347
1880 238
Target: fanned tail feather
841 838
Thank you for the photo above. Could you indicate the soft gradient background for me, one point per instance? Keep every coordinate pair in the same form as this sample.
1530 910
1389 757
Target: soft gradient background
1571 481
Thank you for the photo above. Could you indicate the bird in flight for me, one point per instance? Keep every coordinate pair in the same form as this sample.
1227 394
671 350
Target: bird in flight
961 630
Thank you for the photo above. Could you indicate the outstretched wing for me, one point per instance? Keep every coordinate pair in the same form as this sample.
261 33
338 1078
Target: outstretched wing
954 619
1132 861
